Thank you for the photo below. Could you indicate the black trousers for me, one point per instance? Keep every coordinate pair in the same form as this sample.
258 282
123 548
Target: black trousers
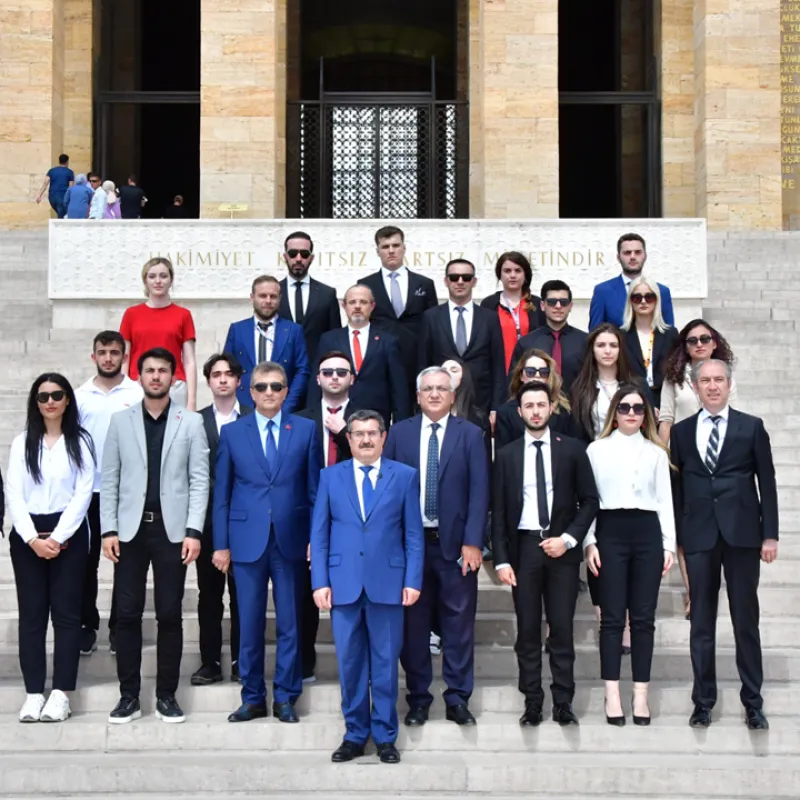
309 626
556 581
49 589
90 616
742 567
210 606
150 545
632 557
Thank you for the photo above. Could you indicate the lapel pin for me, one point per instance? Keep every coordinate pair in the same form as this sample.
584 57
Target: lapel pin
377 338
558 438
287 427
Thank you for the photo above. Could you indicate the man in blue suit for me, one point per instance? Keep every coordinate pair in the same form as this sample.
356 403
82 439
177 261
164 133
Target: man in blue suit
366 565
268 466
450 454
267 337
608 298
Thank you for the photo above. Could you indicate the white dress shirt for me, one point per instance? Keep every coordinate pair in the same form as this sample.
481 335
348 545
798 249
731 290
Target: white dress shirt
468 315
402 280
705 426
268 334
223 419
373 477
632 472
326 434
95 408
363 340
305 288
263 422
424 440
62 489
605 391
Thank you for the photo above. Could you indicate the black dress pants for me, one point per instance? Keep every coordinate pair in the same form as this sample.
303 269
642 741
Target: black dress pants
309 626
556 581
742 567
49 589
632 557
150 545
210 606
90 616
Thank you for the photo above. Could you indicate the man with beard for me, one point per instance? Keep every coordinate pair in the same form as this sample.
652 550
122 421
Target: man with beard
106 393
608 298
153 499
267 337
544 501
309 303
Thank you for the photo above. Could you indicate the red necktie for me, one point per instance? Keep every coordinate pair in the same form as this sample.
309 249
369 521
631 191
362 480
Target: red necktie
333 451
357 357
557 350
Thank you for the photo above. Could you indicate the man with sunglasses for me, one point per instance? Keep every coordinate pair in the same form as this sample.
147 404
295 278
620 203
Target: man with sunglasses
309 303
268 466
557 337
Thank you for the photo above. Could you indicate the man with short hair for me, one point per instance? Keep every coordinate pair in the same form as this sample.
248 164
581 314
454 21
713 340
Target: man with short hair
724 522
153 500
266 337
109 391
59 179
608 298
132 199
222 373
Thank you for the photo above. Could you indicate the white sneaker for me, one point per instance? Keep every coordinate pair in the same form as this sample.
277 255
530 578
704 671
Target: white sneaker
57 707
435 644
31 710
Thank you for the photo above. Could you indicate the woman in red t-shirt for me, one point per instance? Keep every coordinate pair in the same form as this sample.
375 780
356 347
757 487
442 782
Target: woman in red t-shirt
159 322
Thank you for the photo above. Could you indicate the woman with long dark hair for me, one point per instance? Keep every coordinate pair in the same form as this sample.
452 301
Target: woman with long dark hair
48 488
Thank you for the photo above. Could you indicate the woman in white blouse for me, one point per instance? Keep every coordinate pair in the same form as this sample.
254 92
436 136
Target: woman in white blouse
48 489
633 544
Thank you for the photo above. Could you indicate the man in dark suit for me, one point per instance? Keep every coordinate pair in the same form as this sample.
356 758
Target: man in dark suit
380 382
450 455
724 521
309 303
462 330
556 337
267 337
544 501
223 373
401 298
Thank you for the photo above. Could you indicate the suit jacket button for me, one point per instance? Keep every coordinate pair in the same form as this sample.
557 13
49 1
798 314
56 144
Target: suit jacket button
361 553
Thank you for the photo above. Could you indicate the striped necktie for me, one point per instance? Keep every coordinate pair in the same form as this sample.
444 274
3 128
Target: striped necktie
712 451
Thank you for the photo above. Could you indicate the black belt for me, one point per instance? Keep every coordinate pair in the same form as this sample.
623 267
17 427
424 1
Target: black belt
431 534
538 534
151 516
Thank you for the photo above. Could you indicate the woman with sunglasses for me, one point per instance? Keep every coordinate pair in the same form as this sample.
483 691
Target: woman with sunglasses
535 365
648 338
518 310
632 545
48 489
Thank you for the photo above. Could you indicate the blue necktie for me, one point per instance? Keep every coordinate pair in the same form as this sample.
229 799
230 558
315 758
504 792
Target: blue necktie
432 475
366 490
271 449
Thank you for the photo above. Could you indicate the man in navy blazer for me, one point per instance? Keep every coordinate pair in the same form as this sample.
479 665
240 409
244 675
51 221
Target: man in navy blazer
608 298
366 564
267 337
450 455
268 466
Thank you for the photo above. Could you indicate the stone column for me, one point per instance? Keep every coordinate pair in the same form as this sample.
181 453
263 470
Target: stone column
513 96
737 113
243 106
78 100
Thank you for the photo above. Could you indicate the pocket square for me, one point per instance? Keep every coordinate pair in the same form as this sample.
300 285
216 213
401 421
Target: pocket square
420 292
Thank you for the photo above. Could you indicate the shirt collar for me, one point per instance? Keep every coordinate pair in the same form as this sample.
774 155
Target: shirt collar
706 414
306 281
427 422
358 464
468 307
256 321
126 383
162 417
387 273
264 421
364 331
625 279
529 440
236 413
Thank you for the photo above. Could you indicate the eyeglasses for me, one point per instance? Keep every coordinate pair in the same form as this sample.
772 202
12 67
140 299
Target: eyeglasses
532 372
695 340
365 434
275 386
328 372
648 297
440 389
294 253
57 396
558 301
455 277
626 408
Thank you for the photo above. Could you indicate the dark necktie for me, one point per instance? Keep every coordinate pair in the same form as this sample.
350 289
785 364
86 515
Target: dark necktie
333 451
271 448
298 303
262 341
557 350
461 331
432 475
367 490
541 488
712 450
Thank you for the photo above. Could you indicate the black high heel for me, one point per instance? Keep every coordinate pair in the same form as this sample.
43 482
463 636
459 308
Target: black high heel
618 722
639 720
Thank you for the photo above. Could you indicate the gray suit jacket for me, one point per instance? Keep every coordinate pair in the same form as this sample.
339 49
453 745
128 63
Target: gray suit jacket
184 473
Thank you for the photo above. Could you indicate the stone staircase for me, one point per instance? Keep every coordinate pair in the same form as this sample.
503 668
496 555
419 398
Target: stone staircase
754 303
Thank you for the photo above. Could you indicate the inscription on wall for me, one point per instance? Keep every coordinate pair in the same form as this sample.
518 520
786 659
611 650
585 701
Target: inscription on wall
790 113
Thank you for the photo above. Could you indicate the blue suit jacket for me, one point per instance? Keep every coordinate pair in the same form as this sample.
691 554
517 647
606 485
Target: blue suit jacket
289 351
380 555
608 303
248 500
463 479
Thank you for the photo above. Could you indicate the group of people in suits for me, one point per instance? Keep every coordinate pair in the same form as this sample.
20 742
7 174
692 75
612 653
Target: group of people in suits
311 470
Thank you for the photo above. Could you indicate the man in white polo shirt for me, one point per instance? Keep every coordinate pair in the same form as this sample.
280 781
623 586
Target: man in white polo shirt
105 394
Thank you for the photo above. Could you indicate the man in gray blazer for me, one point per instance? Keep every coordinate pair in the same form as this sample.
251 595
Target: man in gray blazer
154 495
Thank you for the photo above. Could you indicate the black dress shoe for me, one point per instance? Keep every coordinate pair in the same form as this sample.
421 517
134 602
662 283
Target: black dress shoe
644 721
701 717
247 712
207 674
618 722
235 678
88 641
285 712
347 751
416 717
460 714
532 716
564 715
387 753
755 719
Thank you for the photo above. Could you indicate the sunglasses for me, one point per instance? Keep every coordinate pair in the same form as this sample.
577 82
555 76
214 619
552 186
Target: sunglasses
276 386
557 301
329 372
648 297
455 277
626 408
57 396
294 253
695 340
532 372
